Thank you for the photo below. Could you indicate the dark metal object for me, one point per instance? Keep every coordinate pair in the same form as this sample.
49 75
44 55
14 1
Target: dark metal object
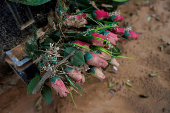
27 74
49 73
18 18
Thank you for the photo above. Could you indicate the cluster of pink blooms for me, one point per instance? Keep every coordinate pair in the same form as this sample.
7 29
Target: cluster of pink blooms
93 59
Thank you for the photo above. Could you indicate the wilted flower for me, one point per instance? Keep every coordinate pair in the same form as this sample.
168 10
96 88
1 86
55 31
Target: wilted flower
75 20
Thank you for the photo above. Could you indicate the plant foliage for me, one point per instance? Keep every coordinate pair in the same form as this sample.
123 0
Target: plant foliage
46 93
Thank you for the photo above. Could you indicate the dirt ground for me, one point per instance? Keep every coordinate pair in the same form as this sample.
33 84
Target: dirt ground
148 59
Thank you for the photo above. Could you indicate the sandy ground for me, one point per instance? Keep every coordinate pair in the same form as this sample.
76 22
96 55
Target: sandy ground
147 59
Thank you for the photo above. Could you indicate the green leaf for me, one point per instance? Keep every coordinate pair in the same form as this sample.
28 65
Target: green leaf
153 75
38 103
101 49
111 84
33 83
128 84
157 18
83 38
31 44
71 97
55 35
115 51
72 82
76 91
47 41
35 29
31 2
120 0
148 18
46 93
77 59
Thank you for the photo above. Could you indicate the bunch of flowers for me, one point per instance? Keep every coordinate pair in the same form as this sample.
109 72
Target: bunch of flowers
93 37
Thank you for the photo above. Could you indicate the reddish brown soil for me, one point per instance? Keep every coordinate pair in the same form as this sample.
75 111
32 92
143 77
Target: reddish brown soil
147 59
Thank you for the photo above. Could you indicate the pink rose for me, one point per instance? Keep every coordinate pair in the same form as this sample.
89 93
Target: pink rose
82 43
133 35
111 37
96 72
114 62
105 56
117 18
120 31
94 60
100 14
98 42
75 74
59 86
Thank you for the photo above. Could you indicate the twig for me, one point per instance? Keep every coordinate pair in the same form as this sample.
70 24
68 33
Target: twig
62 31
159 100
49 73
8 84
38 59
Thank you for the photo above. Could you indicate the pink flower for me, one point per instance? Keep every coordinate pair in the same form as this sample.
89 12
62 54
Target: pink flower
98 35
98 42
59 86
114 62
82 43
117 18
133 35
94 60
96 72
75 74
120 31
100 14
105 56
111 37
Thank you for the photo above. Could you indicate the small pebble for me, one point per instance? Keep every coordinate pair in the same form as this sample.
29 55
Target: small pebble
115 68
153 15
161 47
168 43
112 91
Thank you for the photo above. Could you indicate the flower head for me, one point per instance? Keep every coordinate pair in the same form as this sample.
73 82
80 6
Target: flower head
59 86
